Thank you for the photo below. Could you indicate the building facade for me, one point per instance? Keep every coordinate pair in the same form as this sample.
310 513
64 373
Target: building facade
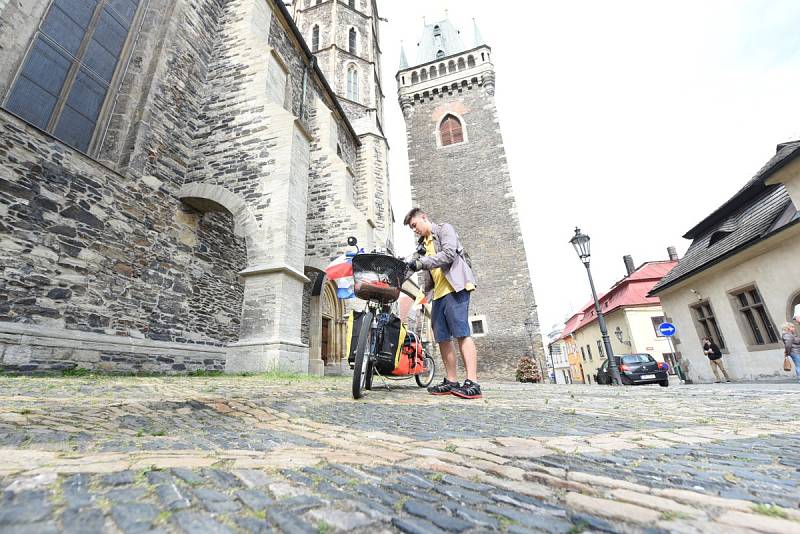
632 319
459 175
740 279
174 176
558 364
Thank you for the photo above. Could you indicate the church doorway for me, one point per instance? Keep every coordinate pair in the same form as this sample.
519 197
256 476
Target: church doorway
325 343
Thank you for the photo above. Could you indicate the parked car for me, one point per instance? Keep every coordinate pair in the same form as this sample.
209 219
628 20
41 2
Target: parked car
635 369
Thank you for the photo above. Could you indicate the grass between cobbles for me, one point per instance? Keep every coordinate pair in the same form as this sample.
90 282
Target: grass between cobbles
770 510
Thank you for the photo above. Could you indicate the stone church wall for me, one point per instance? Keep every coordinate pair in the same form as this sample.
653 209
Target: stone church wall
86 249
103 266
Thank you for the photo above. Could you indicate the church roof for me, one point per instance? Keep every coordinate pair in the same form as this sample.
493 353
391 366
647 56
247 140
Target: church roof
440 39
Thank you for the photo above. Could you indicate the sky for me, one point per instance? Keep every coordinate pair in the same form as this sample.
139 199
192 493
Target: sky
633 120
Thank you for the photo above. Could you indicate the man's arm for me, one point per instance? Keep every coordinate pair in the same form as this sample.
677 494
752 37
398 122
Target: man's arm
449 242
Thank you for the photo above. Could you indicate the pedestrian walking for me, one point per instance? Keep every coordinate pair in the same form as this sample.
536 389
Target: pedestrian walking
711 350
791 344
447 280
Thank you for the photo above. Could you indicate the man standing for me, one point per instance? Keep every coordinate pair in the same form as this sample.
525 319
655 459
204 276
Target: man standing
715 359
447 280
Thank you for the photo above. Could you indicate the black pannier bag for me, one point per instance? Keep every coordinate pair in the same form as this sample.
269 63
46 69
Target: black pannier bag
389 347
353 329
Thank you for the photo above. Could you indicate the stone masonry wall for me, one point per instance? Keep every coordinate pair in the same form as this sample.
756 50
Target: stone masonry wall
468 185
86 249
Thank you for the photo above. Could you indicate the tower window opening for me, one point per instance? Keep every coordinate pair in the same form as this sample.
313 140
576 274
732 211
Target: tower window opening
352 41
352 84
470 61
414 77
403 80
439 54
437 31
483 56
450 131
315 38
352 4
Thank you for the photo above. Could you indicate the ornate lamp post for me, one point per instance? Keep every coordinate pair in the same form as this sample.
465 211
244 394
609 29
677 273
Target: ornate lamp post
529 328
581 243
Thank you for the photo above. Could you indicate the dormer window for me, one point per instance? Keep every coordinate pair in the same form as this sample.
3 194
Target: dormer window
718 236
439 54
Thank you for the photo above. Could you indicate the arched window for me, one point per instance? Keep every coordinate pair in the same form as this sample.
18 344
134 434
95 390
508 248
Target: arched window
423 75
470 61
442 69
414 77
315 38
439 54
451 66
352 83
450 131
437 31
351 42
461 64
432 72
318 2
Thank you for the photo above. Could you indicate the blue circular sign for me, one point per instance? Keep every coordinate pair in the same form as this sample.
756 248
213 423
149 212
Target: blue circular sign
667 329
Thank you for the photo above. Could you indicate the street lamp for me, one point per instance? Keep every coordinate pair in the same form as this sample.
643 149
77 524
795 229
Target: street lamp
530 329
581 243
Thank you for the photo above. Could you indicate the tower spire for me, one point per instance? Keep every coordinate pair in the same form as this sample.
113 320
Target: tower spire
403 60
477 33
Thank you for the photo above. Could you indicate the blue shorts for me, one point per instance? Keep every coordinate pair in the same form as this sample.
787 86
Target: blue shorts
450 316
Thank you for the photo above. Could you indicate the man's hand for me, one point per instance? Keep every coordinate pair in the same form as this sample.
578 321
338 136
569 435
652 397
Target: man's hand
414 265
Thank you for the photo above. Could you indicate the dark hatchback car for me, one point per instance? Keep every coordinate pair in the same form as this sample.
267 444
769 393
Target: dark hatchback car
635 369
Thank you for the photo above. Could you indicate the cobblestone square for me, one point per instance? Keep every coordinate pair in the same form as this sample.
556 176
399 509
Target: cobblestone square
273 454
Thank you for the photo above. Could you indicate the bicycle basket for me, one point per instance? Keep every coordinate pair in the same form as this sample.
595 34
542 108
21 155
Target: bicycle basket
378 277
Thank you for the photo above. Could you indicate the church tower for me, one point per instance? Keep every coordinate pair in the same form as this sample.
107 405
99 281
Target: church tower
459 175
344 37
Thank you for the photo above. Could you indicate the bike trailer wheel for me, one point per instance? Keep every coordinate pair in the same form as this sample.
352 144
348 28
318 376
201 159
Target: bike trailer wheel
424 379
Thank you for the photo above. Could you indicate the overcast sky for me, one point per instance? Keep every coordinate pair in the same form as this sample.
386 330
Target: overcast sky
631 119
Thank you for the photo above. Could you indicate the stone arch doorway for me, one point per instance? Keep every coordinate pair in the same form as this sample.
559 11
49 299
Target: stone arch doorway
326 323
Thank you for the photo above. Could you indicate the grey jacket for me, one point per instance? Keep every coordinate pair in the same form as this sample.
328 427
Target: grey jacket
450 257
791 343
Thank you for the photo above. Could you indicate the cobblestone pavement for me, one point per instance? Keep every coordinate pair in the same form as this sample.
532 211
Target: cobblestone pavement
241 454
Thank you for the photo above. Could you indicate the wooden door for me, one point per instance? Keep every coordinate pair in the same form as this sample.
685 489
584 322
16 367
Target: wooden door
324 351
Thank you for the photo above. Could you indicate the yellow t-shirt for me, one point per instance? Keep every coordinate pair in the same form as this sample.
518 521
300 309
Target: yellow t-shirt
441 286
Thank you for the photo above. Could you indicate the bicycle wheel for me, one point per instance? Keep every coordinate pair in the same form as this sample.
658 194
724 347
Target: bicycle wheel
424 380
361 367
370 375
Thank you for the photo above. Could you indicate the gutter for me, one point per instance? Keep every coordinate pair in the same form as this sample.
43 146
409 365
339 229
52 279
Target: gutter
311 59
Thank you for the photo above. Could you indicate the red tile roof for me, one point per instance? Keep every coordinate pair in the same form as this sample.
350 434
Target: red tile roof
631 291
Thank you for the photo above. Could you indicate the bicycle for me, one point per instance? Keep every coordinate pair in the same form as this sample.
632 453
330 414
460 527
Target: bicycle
377 279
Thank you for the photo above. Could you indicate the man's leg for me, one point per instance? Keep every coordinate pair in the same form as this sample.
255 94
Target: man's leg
448 352
469 356
713 364
722 368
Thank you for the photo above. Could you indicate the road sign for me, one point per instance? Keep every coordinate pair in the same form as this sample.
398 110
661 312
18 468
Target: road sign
667 329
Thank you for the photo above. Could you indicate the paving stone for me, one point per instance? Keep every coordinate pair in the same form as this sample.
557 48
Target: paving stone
477 518
118 479
126 495
24 507
338 519
415 526
188 476
252 478
173 497
134 516
215 501
85 521
254 499
289 523
198 523
441 520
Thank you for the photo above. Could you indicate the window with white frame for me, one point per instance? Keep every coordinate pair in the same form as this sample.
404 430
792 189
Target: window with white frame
65 78
478 326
